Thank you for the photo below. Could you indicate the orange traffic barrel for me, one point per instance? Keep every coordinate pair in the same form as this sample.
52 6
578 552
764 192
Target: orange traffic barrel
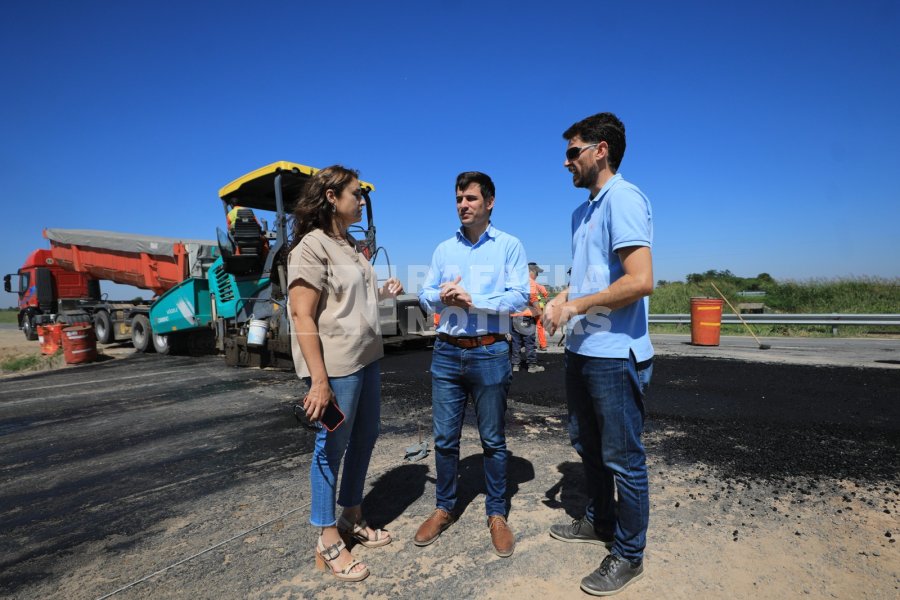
50 337
79 344
706 321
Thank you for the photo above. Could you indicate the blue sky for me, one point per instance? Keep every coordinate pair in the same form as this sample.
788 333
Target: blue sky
764 133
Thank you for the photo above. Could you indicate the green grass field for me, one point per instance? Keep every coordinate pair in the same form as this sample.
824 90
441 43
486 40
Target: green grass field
861 296
853 296
9 315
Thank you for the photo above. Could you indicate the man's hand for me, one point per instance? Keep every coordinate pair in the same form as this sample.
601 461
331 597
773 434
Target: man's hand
453 294
556 314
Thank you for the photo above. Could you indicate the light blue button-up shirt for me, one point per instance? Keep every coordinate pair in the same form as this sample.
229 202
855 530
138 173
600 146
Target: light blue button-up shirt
494 272
619 216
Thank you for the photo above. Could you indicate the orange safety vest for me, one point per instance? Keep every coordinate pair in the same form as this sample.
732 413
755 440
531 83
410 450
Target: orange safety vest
537 298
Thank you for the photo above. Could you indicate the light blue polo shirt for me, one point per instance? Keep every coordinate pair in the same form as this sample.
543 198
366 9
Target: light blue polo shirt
494 271
619 216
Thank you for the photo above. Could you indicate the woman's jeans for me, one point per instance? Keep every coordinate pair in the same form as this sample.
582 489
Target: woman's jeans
484 374
359 397
606 418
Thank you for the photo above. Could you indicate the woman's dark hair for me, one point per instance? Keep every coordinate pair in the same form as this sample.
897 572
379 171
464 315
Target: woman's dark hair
313 211
602 127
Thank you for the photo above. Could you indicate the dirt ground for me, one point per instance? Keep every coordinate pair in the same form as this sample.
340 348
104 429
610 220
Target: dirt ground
13 344
758 531
710 536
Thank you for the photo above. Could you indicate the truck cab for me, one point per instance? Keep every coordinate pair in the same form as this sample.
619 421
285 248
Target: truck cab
41 284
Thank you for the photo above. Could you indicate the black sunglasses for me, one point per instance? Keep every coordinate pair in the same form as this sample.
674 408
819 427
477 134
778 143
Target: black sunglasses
575 151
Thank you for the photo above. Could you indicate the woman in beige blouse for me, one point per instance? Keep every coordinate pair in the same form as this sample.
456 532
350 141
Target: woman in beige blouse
336 347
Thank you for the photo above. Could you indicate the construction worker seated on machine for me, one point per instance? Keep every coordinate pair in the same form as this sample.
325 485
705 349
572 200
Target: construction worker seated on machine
245 246
245 230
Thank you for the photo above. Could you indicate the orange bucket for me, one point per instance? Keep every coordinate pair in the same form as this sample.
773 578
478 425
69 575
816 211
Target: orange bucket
50 337
79 344
706 321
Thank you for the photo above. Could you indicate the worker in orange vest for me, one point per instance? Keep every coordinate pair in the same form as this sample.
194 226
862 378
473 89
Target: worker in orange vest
539 297
526 325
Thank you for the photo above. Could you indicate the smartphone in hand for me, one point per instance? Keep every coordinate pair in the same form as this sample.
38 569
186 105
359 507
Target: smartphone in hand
333 417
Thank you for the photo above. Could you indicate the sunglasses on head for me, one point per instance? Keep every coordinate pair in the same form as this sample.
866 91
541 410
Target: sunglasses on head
575 151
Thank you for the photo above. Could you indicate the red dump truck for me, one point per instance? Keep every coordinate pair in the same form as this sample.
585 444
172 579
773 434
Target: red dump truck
63 283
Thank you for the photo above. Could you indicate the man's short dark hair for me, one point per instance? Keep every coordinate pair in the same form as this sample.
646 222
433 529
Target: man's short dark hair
467 178
602 127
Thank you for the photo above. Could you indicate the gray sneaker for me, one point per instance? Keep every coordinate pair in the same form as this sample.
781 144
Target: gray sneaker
535 368
515 368
582 531
612 576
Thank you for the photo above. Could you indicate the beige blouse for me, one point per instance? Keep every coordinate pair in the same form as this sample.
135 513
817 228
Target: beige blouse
347 313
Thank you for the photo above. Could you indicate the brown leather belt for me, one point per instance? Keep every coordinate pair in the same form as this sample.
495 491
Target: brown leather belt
472 342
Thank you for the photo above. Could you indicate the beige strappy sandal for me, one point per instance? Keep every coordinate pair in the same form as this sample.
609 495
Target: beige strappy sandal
357 531
325 556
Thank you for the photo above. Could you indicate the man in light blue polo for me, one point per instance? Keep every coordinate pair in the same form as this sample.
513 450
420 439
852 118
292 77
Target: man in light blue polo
477 278
609 358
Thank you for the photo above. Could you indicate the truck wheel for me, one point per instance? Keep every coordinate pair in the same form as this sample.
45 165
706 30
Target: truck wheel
103 327
29 329
167 344
141 334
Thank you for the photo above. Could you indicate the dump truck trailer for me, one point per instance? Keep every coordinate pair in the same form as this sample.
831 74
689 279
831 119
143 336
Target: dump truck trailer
62 283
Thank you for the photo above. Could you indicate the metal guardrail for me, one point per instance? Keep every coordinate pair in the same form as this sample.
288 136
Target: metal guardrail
832 319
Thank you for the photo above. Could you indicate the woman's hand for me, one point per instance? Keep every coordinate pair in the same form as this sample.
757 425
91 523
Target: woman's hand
317 400
391 288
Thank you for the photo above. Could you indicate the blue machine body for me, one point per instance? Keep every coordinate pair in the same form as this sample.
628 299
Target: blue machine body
239 297
185 307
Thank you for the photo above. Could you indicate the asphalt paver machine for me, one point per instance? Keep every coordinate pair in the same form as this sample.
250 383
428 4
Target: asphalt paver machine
247 284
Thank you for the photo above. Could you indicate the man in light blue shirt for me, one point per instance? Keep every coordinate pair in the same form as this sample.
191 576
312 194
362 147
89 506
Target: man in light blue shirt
608 351
476 279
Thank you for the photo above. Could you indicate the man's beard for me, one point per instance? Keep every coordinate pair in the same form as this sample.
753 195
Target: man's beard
586 177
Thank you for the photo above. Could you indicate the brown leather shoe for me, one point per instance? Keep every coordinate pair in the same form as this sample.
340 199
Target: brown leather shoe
501 535
433 526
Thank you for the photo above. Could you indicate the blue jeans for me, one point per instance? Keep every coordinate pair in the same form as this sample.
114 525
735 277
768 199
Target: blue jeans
359 397
606 418
523 336
484 374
